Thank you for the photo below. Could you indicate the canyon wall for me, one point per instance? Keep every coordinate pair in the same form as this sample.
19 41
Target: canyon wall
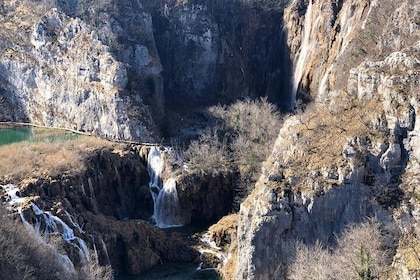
350 154
128 70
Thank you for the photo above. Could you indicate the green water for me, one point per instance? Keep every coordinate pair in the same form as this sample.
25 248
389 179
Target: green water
15 134
174 271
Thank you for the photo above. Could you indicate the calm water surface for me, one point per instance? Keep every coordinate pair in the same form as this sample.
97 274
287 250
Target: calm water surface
15 134
174 271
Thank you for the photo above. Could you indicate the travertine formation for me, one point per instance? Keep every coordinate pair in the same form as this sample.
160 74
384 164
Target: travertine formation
132 69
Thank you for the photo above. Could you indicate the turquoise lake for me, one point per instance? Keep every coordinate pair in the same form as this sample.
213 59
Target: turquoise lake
15 134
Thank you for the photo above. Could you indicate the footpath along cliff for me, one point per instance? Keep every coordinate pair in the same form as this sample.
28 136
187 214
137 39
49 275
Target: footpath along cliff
345 74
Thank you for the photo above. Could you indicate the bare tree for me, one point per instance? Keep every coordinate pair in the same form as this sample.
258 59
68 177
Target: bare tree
360 254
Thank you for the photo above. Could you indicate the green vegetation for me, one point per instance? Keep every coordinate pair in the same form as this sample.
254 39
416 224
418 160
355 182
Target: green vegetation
364 270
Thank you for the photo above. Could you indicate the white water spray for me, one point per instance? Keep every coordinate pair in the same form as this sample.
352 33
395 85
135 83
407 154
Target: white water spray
166 209
303 53
15 199
48 224
105 251
209 247
76 225
94 249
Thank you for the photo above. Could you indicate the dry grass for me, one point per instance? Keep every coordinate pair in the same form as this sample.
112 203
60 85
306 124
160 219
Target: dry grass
359 254
224 234
24 255
317 140
43 159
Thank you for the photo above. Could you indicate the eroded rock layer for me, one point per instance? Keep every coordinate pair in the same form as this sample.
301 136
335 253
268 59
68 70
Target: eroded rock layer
353 152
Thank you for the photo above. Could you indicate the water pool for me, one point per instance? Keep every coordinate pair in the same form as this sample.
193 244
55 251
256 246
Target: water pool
14 134
174 271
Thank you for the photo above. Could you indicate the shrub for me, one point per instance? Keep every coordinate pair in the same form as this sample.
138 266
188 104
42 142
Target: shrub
208 154
24 255
359 254
240 137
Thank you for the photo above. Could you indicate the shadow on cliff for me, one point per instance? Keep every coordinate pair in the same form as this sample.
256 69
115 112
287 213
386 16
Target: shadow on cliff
12 109
218 52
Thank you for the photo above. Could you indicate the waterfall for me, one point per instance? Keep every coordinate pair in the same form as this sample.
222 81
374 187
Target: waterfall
167 212
94 249
105 251
155 168
166 209
83 189
323 85
120 194
210 248
48 224
301 58
13 195
76 225
92 192
15 199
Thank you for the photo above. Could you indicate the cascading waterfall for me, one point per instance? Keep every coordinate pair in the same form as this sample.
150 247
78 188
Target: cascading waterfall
76 225
48 224
94 249
15 199
167 212
120 192
323 85
166 209
303 53
209 247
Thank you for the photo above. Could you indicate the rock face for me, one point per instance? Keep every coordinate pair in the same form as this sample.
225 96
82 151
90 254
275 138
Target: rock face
119 69
108 201
205 198
109 206
364 79
222 50
66 77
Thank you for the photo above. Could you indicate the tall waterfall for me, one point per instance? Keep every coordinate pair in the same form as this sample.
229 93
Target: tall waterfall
166 209
167 212
303 53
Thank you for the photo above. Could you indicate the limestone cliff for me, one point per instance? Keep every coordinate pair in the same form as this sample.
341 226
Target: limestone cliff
130 69
57 72
351 154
